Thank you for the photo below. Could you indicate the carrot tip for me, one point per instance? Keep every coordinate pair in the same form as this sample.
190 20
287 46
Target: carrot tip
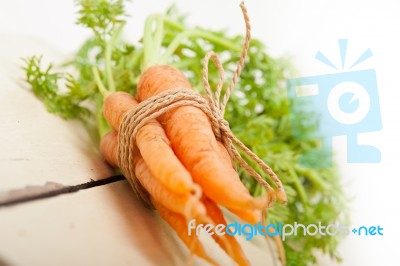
196 191
192 207
282 196
263 202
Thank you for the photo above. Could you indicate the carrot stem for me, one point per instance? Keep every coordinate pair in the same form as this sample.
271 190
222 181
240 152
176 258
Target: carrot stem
196 33
152 40
159 32
203 34
108 53
150 50
135 59
173 24
110 79
102 125
104 92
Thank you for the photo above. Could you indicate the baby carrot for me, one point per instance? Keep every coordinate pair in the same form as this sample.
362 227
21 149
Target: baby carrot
230 245
109 148
180 226
249 216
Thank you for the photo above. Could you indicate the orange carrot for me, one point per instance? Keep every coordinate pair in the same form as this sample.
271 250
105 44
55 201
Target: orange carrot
193 141
180 226
153 144
115 107
224 154
175 202
252 216
109 148
234 250
186 205
249 216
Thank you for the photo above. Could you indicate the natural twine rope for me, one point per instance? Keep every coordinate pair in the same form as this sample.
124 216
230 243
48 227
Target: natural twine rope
212 106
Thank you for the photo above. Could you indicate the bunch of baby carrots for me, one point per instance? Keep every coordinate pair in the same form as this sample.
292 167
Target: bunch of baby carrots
180 163
185 170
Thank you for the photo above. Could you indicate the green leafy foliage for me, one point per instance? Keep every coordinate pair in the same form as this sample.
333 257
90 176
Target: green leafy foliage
45 85
101 16
258 110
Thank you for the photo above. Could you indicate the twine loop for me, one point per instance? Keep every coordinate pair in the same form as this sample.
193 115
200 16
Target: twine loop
213 105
